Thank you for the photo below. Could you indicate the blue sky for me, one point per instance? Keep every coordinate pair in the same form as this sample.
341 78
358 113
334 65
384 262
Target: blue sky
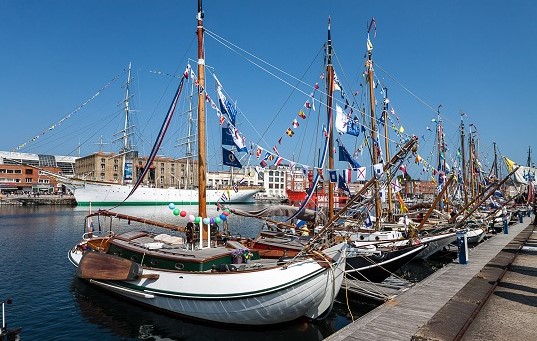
476 57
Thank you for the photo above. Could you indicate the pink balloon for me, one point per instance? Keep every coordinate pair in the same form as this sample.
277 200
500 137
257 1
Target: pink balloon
191 218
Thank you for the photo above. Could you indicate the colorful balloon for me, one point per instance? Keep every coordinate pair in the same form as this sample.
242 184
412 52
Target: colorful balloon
217 220
206 221
176 211
183 214
197 220
191 218
171 206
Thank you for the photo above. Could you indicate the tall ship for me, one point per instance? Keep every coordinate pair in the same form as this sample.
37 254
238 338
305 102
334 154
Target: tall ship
103 193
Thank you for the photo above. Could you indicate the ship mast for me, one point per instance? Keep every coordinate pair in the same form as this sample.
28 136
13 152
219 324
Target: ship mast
387 151
202 155
463 165
330 90
374 144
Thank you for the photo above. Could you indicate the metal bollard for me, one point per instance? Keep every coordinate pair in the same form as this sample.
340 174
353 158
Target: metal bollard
462 246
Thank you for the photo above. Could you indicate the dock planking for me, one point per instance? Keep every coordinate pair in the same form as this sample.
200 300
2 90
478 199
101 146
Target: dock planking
401 317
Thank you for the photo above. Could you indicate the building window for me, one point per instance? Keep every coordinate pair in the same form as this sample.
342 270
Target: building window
115 168
161 180
29 171
103 160
28 180
102 168
116 161
10 171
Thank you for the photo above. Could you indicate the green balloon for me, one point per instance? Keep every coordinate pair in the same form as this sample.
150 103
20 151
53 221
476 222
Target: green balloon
197 220
217 220
176 211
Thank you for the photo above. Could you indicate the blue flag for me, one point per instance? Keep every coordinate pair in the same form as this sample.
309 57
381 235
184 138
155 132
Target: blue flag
353 127
345 156
343 185
229 159
333 175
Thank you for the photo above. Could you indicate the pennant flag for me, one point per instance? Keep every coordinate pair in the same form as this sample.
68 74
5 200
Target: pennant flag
221 118
401 130
187 71
289 132
347 175
403 169
295 123
337 84
333 176
275 150
343 185
510 164
229 158
341 120
379 169
280 140
361 173
302 114
402 205
369 44
345 156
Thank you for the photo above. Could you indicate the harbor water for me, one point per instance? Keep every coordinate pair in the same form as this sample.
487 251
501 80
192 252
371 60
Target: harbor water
50 303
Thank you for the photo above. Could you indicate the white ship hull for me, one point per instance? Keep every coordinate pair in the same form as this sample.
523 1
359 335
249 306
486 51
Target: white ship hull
113 194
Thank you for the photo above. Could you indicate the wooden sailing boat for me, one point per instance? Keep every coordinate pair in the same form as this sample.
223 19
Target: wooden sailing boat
201 282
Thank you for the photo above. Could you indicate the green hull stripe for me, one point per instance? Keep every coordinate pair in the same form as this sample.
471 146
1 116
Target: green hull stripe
150 203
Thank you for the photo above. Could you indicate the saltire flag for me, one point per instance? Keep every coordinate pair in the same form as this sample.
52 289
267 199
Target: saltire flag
289 132
229 159
345 156
295 123
302 114
342 184
361 173
379 169
333 176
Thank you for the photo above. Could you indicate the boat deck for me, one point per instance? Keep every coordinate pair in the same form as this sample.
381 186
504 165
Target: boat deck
449 306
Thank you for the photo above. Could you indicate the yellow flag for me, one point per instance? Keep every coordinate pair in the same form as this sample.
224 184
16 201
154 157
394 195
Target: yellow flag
401 130
510 164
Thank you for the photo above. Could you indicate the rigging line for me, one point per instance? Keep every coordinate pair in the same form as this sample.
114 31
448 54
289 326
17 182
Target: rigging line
221 40
169 84
80 107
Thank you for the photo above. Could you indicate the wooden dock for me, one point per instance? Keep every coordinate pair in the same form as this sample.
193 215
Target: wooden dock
401 317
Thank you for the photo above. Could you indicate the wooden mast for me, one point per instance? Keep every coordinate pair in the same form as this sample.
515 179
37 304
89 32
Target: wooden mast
463 165
374 144
202 155
329 100
387 152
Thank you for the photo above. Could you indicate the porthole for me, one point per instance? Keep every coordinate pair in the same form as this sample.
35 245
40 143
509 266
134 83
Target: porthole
134 258
179 266
361 237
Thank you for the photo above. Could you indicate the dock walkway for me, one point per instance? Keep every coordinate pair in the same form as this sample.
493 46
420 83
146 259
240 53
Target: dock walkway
454 300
